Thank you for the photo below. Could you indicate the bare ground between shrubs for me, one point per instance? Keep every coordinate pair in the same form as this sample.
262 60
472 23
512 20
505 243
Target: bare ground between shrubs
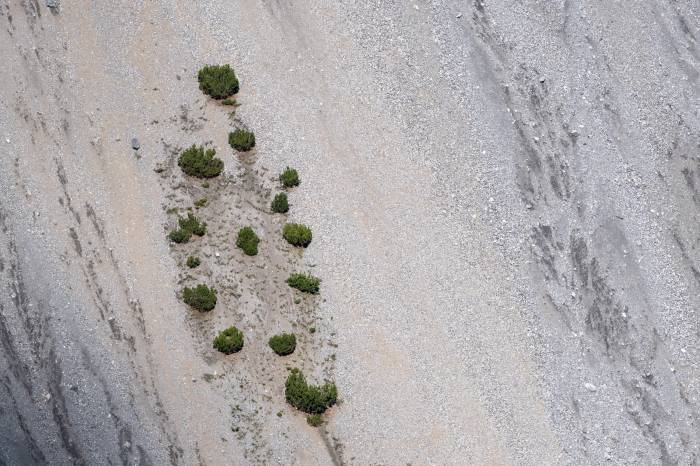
252 292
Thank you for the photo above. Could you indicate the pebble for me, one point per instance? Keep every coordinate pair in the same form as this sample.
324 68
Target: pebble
590 387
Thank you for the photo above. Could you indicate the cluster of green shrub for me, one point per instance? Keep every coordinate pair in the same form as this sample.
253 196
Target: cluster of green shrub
218 81
189 226
280 204
201 297
229 341
304 283
200 162
289 178
248 241
283 344
297 234
241 140
311 399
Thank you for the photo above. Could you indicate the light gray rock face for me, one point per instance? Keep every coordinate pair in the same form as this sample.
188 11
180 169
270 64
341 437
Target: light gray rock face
505 203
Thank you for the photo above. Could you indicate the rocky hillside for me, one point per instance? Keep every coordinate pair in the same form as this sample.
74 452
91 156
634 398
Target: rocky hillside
504 198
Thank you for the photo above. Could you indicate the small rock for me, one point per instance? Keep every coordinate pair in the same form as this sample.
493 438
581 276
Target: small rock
135 144
52 3
590 387
542 80
459 15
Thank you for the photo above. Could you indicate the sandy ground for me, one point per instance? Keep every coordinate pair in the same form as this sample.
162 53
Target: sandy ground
504 198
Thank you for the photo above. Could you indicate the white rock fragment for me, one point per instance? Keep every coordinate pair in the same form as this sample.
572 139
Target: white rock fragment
590 387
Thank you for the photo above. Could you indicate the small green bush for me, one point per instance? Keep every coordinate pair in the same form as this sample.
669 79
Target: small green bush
200 297
229 341
297 234
310 399
180 236
248 241
218 81
229 102
241 140
193 262
201 163
199 203
289 178
283 344
193 225
314 420
188 226
304 283
280 204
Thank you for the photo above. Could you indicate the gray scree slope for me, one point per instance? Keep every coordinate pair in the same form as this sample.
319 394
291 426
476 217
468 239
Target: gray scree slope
504 197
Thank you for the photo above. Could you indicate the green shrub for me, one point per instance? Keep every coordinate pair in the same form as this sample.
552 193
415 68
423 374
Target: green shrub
218 81
180 236
193 225
304 283
188 226
248 241
241 140
280 204
229 102
199 203
229 341
193 262
297 234
314 420
311 399
283 344
196 161
200 297
289 178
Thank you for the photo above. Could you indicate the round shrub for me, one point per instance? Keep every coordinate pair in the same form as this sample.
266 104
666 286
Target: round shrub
229 341
297 234
280 204
193 262
200 297
311 399
241 140
248 241
289 178
283 344
218 81
180 236
201 163
304 283
193 225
